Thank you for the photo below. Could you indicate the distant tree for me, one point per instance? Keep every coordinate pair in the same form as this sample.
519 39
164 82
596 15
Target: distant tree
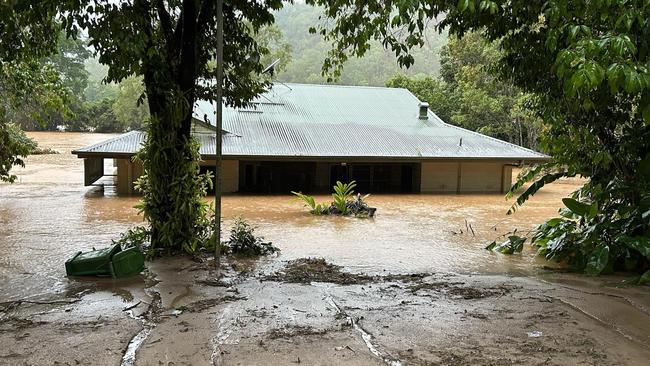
28 89
130 105
102 117
272 39
440 96
24 42
63 69
69 60
97 89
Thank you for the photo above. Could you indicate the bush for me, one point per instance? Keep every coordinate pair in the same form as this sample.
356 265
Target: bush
343 202
602 228
243 242
138 237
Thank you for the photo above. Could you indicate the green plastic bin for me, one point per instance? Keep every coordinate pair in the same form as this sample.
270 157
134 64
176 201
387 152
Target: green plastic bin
127 263
93 263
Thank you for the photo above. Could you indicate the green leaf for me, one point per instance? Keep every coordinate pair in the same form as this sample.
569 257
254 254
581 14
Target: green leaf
514 244
593 210
598 260
491 246
645 278
533 188
463 5
639 243
578 208
633 81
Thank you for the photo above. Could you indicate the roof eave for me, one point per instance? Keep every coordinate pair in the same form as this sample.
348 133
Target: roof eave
123 155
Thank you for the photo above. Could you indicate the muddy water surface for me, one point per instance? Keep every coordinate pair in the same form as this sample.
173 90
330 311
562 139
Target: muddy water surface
48 215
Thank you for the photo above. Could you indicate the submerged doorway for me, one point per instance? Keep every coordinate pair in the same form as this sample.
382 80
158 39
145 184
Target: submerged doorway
278 177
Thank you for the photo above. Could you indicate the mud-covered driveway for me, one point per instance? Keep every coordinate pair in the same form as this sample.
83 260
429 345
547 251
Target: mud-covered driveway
266 315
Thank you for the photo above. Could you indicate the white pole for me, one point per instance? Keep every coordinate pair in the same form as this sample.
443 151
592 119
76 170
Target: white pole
218 153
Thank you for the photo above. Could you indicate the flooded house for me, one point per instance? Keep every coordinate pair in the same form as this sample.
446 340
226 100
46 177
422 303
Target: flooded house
304 137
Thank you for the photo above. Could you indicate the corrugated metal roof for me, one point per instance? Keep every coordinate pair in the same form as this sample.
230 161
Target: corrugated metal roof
302 121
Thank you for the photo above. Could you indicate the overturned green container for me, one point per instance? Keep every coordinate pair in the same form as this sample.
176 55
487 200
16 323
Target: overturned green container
93 263
111 261
127 263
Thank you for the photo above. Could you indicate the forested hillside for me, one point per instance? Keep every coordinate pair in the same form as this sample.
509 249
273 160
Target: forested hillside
309 51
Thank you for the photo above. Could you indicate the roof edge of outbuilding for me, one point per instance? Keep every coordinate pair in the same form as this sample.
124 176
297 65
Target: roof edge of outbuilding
88 149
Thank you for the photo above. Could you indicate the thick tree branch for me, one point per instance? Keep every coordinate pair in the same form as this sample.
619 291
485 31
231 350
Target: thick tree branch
187 71
207 13
165 21
168 31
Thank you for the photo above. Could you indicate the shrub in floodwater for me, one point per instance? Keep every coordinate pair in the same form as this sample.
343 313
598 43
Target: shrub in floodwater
514 244
315 208
343 202
244 242
342 193
44 151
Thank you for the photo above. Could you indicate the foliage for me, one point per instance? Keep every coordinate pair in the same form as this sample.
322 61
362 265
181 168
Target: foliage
33 92
44 151
271 38
469 94
342 193
28 89
359 207
343 202
129 107
25 36
514 244
244 242
138 237
180 224
586 63
14 146
315 208
99 117
97 89
69 60
171 46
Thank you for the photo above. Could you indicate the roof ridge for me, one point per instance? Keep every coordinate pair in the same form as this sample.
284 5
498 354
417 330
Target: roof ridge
342 86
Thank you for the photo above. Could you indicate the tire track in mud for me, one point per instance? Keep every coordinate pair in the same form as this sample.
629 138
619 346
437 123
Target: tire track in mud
368 339
149 322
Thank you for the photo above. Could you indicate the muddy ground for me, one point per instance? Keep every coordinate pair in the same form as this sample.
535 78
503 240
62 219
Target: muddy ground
307 311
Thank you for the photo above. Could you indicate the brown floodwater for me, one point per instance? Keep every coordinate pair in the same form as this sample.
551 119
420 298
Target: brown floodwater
47 215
